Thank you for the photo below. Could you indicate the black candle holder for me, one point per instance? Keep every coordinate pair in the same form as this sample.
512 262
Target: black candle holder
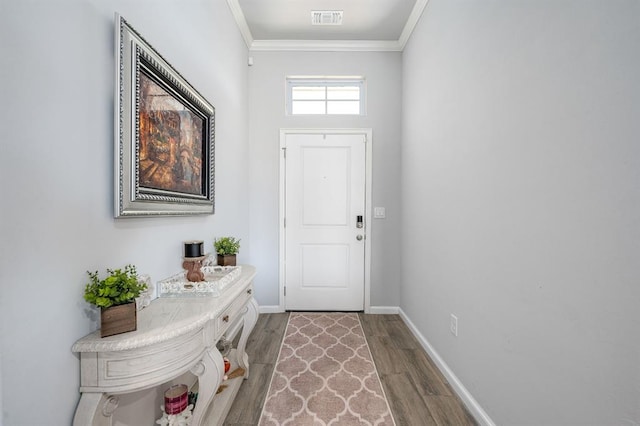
193 249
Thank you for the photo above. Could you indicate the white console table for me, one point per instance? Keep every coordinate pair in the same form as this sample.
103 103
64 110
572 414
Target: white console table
174 335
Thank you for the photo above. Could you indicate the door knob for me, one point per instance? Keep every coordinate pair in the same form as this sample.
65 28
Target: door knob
359 237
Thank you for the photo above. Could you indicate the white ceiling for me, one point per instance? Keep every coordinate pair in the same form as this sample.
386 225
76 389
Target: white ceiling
366 25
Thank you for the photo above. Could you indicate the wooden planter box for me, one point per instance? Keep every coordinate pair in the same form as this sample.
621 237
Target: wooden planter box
227 260
118 319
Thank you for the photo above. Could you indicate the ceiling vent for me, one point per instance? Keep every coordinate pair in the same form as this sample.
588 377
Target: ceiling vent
326 17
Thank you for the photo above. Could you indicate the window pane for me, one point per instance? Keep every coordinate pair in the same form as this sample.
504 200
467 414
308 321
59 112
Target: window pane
307 92
338 96
343 92
343 107
308 107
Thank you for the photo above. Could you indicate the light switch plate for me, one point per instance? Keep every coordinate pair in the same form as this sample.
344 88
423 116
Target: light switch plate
379 213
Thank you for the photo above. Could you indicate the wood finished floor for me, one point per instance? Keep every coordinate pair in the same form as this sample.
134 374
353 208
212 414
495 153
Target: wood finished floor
417 392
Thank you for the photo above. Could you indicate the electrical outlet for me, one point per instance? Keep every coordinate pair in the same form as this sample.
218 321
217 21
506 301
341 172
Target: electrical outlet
453 326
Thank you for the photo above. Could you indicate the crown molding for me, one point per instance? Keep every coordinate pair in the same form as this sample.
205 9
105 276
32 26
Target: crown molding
412 21
241 21
328 45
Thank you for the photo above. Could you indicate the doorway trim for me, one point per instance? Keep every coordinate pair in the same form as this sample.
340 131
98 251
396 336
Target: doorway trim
368 133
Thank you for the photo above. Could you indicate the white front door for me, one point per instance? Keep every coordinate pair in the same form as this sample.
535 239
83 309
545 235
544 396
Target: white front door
324 211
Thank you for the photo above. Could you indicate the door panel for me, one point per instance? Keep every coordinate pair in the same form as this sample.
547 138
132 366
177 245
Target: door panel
324 194
324 186
314 259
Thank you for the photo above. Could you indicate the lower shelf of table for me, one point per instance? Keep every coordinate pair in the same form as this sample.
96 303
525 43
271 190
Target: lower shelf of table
221 403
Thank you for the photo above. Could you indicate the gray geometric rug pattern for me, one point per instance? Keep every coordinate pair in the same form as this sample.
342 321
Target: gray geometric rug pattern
325 375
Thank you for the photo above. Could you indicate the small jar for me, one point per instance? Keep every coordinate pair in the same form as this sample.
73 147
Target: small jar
176 399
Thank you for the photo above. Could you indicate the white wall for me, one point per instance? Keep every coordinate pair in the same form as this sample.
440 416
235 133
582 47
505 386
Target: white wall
521 162
267 116
56 164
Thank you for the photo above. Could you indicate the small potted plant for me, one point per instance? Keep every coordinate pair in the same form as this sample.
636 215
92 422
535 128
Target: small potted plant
115 296
226 248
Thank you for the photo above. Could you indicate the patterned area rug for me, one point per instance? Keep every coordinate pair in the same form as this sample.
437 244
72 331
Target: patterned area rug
325 375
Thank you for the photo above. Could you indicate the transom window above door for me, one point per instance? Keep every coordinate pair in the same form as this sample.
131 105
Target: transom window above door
325 96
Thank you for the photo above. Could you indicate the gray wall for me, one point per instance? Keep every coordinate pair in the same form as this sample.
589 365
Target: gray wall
267 116
521 162
56 164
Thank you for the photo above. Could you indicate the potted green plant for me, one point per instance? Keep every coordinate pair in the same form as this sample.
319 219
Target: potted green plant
226 249
115 296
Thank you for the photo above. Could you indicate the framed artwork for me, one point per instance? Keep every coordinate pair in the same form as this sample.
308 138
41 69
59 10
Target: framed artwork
164 136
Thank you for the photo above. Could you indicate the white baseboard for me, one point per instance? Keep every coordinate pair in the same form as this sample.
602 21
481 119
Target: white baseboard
469 401
381 310
270 309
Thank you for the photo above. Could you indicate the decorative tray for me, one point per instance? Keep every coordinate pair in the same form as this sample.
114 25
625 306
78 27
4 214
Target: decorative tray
216 280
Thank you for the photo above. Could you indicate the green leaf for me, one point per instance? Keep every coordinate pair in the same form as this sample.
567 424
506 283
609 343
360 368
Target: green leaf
121 286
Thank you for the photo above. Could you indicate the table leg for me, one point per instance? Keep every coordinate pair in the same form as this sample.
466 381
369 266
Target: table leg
249 321
210 371
95 409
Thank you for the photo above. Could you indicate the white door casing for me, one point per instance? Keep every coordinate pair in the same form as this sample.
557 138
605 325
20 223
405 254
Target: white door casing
325 186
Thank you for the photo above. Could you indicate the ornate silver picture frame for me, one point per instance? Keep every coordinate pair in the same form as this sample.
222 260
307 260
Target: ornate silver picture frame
164 136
